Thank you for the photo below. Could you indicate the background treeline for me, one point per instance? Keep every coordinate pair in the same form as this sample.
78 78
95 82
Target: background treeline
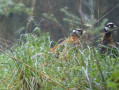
58 17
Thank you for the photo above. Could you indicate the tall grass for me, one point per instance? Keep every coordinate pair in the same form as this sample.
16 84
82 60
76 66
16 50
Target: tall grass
83 70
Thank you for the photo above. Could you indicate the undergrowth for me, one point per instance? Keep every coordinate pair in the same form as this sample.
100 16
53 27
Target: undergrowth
86 69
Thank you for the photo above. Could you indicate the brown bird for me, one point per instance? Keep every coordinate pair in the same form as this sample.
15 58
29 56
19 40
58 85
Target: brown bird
108 45
73 40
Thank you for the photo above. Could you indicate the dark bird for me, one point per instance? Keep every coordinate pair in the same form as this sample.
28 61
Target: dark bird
73 40
108 45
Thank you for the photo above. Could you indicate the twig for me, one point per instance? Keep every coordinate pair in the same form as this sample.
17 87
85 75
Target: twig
92 38
7 41
44 75
107 13
101 35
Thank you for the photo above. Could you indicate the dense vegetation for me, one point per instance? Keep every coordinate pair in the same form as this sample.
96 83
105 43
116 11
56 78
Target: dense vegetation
86 69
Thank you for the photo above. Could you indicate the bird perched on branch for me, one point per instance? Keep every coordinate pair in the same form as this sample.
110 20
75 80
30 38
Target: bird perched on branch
108 45
73 40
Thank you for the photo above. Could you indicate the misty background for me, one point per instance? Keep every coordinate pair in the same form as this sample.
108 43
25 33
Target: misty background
56 17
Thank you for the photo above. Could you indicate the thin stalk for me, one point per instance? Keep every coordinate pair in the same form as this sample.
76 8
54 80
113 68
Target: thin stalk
42 74
103 80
